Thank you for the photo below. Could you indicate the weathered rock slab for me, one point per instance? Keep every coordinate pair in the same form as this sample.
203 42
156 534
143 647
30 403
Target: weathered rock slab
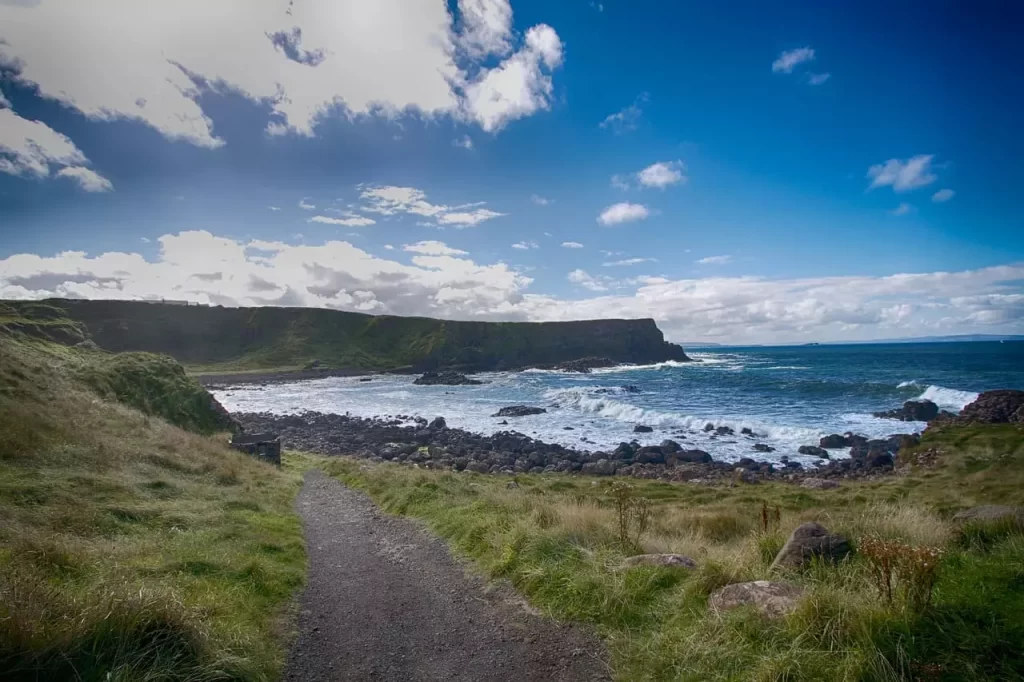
989 513
770 599
676 560
809 541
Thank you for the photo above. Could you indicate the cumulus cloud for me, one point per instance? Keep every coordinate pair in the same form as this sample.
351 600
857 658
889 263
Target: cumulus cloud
390 200
351 220
623 212
903 209
790 59
541 201
32 148
715 260
274 208
432 248
572 245
943 195
524 246
662 174
903 176
338 275
305 205
466 142
627 119
818 78
628 261
87 179
298 58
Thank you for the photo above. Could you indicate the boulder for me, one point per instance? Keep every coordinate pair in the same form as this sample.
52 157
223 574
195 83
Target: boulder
624 451
879 461
446 379
585 365
438 424
601 467
819 483
990 512
761 447
834 441
676 560
650 455
770 599
724 431
809 541
693 456
912 411
995 407
641 428
670 446
518 411
813 451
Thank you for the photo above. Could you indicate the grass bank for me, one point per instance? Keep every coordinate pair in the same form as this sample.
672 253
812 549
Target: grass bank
131 548
555 538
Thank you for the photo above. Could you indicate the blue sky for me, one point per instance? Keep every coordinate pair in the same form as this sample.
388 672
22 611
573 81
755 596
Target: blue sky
805 172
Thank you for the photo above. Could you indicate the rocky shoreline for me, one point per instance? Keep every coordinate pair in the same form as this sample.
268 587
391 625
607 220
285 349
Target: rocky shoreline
416 442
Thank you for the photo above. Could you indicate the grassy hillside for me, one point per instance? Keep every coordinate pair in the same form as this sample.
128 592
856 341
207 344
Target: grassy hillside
217 339
130 548
555 538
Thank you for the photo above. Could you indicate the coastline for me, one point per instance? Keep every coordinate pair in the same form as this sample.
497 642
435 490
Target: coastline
279 376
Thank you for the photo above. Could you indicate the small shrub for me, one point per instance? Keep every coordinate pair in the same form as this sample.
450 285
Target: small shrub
633 514
770 517
901 568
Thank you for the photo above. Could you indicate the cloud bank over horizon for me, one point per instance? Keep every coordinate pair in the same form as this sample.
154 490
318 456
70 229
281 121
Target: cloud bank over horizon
443 282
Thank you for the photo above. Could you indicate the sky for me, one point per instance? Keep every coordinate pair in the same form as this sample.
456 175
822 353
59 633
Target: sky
741 172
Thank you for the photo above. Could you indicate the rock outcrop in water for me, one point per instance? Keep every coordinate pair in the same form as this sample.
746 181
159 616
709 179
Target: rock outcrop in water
518 411
912 411
446 379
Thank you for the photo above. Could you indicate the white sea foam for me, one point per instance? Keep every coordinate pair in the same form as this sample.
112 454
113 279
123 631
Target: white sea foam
908 384
948 397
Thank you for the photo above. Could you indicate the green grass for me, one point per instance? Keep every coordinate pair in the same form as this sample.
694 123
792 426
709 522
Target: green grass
554 538
131 549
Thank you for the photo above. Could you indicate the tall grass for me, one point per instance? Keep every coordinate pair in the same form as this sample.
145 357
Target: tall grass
557 540
129 548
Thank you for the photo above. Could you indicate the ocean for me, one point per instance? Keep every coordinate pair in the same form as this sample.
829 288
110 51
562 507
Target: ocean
790 396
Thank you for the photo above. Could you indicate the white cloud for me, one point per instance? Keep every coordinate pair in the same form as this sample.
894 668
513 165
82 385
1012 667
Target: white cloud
620 182
629 261
339 275
903 209
391 200
519 86
305 205
389 247
523 246
585 280
715 260
623 212
903 176
818 78
149 60
627 119
87 179
541 201
466 142
4 102
433 248
662 174
790 59
943 195
572 245
351 220
274 208
29 149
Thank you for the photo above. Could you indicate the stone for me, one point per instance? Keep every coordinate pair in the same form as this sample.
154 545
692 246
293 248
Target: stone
601 467
834 441
641 428
693 456
518 411
585 365
912 411
650 455
770 599
819 483
813 451
670 446
989 513
724 431
438 424
809 541
761 447
676 560
995 407
446 379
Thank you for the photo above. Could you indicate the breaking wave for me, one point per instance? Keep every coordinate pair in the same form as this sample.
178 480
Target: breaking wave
948 397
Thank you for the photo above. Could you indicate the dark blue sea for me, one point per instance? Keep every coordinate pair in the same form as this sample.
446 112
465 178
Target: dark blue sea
790 396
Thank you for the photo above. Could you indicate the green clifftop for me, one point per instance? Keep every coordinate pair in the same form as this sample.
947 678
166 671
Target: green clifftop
239 339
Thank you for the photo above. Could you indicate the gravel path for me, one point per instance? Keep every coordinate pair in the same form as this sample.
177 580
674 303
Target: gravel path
385 600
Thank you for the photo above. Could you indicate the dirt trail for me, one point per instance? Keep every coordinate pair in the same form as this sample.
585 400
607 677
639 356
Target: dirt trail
386 601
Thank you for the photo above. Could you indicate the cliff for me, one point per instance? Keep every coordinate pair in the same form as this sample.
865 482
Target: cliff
239 339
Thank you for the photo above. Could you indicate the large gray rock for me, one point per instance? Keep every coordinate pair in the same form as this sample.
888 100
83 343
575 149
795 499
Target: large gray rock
770 599
660 560
601 467
990 512
809 541
819 483
518 411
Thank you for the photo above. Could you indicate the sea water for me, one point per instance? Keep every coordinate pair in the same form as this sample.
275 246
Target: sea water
789 396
